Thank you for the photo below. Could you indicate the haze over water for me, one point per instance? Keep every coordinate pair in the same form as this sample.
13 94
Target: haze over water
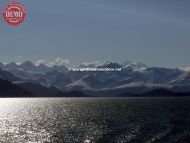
99 120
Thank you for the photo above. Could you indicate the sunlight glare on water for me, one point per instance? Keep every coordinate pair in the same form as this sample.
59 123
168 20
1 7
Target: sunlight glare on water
94 120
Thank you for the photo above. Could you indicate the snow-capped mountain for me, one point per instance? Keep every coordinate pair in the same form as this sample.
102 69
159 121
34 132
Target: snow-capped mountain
133 78
110 65
134 66
28 70
132 81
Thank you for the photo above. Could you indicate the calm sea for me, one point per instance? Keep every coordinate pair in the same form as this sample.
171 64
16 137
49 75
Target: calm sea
95 120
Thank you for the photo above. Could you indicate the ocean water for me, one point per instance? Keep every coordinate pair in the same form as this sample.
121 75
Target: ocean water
95 120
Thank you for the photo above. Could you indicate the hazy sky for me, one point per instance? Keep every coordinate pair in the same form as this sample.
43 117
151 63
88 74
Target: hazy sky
155 32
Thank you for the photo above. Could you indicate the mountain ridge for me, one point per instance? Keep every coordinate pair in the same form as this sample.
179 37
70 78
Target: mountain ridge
134 78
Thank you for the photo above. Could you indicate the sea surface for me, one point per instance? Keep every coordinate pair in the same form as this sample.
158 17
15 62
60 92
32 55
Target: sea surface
95 120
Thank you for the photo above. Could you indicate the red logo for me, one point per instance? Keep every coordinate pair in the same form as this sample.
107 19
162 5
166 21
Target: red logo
14 14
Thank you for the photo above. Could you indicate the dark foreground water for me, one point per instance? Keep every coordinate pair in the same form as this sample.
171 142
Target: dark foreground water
97 120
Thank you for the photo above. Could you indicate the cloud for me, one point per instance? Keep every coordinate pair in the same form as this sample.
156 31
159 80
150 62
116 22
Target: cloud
58 61
18 57
18 63
62 61
94 63
41 61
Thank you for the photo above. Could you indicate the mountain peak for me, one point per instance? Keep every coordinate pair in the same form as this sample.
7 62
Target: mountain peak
110 65
11 65
42 66
27 63
27 66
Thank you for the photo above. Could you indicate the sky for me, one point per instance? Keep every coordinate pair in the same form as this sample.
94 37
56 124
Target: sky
154 32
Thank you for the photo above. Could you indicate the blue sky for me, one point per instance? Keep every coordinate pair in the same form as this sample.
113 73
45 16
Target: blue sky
155 32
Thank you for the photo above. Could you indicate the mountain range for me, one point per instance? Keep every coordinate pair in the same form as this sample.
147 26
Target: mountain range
133 79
